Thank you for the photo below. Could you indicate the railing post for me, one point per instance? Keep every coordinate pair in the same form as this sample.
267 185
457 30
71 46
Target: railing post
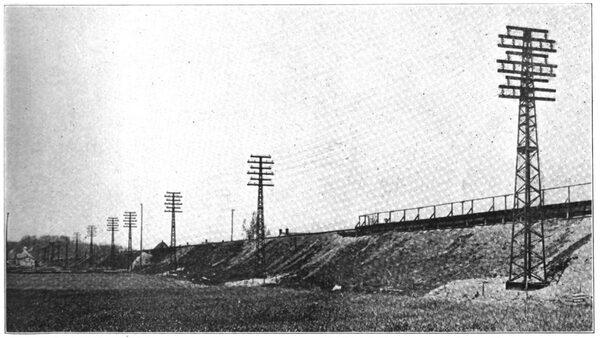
390 217
493 203
434 211
462 207
505 204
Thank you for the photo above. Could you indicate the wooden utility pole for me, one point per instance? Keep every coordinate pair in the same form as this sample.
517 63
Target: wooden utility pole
76 246
232 210
129 220
112 226
141 234
91 232
173 206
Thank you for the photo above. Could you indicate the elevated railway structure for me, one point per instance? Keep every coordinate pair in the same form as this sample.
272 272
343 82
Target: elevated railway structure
559 202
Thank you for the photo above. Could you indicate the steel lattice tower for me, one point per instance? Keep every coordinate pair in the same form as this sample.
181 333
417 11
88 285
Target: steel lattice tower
173 206
261 167
527 61
129 220
112 226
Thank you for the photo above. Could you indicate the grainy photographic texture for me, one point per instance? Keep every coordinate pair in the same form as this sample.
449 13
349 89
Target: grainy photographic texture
354 168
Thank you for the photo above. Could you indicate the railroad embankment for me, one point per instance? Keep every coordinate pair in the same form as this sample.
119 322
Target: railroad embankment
435 263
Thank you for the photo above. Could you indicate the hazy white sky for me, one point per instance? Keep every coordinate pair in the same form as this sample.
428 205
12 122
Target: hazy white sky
363 108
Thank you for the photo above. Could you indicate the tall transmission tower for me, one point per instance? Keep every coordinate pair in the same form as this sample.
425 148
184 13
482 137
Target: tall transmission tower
91 232
76 246
112 225
260 169
527 64
173 206
129 220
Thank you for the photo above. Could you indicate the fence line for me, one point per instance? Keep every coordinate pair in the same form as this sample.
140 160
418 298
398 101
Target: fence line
469 206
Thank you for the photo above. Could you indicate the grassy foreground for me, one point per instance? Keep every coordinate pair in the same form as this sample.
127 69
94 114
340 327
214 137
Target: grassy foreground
275 309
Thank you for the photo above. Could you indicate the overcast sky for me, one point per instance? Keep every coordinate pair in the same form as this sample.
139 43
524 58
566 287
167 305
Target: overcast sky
363 108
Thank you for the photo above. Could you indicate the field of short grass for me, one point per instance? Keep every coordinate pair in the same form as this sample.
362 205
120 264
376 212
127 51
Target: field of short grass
173 307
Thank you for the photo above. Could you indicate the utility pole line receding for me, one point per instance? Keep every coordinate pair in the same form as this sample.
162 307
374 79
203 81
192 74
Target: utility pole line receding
527 64
260 166
91 232
112 225
129 220
173 206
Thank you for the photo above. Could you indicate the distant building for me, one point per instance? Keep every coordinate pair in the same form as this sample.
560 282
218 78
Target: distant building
160 247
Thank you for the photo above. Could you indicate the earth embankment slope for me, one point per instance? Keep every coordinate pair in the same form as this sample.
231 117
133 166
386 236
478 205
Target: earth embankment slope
406 262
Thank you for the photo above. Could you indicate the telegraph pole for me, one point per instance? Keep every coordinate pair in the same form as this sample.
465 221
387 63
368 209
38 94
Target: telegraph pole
141 233
232 210
526 64
58 250
91 232
129 220
76 246
67 252
173 206
112 226
52 251
260 166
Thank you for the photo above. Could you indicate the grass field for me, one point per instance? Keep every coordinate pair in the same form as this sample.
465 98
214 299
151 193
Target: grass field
136 303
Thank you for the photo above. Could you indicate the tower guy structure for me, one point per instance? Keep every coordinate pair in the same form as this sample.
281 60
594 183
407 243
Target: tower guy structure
91 232
129 220
526 65
260 170
112 226
173 206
